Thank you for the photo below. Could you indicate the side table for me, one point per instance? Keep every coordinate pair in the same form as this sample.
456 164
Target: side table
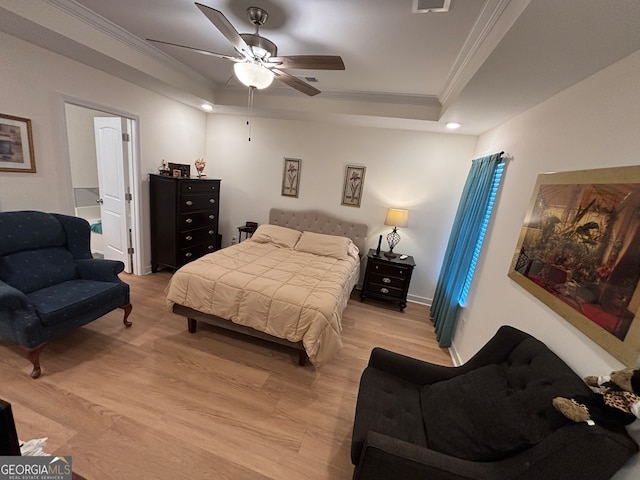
248 231
387 278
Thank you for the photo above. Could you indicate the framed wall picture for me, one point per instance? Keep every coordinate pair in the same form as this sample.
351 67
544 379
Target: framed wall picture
179 170
16 145
579 253
291 177
353 185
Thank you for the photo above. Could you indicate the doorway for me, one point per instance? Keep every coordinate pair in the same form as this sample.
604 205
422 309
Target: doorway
102 159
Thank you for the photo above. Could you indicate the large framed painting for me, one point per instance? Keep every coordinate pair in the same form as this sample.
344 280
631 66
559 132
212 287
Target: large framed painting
16 145
579 253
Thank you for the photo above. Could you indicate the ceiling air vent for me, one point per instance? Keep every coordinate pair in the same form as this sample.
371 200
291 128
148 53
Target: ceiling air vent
425 6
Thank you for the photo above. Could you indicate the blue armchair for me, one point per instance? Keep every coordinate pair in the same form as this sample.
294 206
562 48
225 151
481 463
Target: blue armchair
49 282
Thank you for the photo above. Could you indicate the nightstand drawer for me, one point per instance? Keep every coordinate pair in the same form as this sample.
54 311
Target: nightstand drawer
385 290
390 270
387 280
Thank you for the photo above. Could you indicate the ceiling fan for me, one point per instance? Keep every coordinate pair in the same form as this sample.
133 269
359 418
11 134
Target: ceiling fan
257 61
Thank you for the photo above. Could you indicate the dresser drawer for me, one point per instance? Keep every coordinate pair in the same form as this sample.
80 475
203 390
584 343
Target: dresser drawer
190 238
192 203
191 221
188 254
198 186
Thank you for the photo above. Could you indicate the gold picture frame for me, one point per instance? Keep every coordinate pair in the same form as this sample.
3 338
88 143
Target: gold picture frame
353 185
579 253
16 145
291 177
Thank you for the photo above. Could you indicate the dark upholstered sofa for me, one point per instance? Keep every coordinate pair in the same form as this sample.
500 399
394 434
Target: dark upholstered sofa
49 282
491 418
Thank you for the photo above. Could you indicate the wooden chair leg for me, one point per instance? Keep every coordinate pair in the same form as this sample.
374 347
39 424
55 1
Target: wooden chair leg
127 310
33 355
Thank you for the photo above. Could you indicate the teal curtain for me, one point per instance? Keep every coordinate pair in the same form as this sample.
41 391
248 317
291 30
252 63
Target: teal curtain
465 241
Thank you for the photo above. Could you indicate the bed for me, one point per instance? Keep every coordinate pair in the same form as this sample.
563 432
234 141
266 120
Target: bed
288 284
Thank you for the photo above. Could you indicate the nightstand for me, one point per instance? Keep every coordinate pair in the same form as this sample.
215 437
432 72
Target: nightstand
387 278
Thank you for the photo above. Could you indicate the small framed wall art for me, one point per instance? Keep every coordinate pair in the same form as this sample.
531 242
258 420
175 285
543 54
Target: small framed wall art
353 185
291 177
16 145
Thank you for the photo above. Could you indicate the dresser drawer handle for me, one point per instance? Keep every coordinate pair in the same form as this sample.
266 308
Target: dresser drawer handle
189 220
211 232
386 280
189 202
188 187
212 200
210 247
188 254
211 217
188 238
213 187
384 290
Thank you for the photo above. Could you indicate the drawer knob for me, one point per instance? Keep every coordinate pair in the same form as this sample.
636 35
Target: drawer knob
188 187
188 254
188 238
189 202
210 247
189 220
384 290
386 280
211 232
211 217
376 267
212 200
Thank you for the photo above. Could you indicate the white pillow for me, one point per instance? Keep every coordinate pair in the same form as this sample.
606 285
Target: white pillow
326 245
283 236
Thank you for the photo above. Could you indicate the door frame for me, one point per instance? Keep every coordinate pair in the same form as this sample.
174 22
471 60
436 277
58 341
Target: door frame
134 184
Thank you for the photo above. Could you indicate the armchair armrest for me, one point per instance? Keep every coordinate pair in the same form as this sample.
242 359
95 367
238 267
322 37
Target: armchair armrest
100 269
574 451
12 298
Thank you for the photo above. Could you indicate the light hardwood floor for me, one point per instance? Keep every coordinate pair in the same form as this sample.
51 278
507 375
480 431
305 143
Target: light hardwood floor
155 402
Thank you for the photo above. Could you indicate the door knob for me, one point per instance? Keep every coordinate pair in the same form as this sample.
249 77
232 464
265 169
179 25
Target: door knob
100 201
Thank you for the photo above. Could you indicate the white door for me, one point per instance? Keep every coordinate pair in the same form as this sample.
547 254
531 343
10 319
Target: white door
112 153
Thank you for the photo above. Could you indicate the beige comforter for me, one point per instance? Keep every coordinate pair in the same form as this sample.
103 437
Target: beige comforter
286 293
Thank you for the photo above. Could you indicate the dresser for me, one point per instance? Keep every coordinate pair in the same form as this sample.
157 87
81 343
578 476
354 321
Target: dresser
387 278
184 219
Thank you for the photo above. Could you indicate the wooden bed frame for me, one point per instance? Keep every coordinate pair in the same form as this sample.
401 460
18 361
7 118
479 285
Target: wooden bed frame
303 220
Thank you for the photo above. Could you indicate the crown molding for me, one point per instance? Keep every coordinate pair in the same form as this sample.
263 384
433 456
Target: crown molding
494 21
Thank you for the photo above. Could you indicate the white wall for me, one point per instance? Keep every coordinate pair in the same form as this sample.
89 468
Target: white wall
33 84
591 125
424 172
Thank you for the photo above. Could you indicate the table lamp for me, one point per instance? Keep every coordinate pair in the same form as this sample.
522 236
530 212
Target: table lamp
396 217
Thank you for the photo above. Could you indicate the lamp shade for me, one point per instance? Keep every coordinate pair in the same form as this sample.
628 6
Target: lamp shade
253 75
397 217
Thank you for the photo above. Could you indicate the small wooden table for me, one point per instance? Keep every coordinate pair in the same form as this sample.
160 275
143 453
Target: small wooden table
248 231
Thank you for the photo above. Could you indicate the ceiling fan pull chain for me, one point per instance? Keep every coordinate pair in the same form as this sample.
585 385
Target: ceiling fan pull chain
250 106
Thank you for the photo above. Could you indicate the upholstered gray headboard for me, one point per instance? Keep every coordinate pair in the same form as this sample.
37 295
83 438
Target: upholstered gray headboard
320 222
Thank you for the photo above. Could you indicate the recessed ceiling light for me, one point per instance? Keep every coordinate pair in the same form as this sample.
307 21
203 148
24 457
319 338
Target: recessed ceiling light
207 107
453 125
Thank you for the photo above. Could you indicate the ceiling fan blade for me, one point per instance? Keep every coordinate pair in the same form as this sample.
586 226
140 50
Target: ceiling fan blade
313 62
296 83
230 33
204 52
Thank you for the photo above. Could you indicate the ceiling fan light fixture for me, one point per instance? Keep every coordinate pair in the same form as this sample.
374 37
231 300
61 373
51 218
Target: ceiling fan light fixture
253 75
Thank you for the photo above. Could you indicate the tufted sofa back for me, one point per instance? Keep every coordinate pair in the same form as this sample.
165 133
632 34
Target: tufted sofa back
39 249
